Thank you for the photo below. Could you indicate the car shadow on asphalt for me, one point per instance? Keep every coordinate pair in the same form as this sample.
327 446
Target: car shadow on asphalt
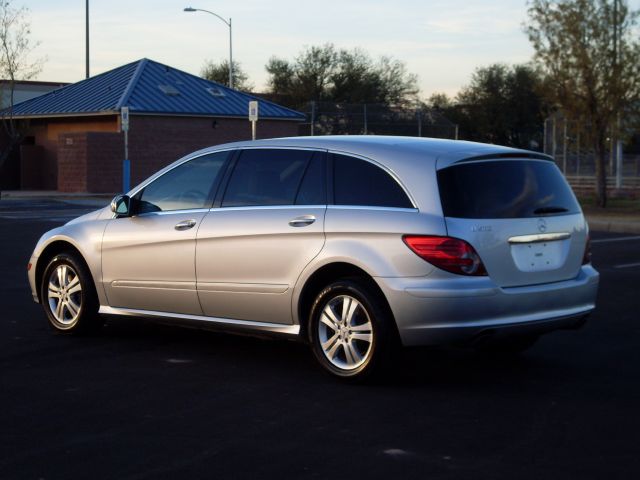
248 356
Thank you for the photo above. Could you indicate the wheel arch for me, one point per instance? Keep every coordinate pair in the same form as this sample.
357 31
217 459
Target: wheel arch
50 251
323 276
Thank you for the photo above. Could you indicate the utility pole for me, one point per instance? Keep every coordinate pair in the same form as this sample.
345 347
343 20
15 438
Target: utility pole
87 37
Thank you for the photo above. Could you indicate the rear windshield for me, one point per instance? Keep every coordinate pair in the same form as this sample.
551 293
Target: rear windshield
505 189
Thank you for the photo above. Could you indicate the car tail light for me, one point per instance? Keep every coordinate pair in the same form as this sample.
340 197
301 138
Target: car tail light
450 254
586 258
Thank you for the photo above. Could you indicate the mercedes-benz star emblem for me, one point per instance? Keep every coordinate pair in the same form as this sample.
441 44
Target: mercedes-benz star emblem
542 225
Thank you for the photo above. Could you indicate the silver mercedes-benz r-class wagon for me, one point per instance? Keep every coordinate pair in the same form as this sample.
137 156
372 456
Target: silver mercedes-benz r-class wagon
354 244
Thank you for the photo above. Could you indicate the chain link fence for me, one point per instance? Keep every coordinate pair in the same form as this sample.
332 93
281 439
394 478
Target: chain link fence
566 141
330 118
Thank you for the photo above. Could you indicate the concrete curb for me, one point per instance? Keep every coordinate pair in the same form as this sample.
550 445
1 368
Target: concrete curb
614 225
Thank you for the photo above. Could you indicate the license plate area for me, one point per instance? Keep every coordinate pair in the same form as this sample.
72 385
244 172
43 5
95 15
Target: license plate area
539 256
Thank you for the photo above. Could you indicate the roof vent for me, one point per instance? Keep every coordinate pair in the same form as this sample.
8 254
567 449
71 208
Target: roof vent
169 90
216 92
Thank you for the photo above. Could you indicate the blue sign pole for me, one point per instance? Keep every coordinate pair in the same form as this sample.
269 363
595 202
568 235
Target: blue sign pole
126 164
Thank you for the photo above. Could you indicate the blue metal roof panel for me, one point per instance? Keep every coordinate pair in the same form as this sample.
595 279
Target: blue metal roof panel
193 97
137 85
93 95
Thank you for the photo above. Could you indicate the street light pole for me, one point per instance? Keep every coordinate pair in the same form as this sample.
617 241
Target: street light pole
87 38
228 24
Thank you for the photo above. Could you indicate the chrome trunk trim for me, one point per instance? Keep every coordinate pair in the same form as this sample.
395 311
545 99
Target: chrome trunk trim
540 237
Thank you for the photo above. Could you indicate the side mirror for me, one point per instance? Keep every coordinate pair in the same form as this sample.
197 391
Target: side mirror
120 205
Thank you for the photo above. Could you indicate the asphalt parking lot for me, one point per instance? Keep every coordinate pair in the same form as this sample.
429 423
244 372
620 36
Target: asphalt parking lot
142 400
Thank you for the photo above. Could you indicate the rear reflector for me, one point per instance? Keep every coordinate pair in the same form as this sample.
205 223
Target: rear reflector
450 254
586 258
28 266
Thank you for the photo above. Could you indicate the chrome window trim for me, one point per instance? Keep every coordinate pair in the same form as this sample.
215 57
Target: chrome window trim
370 207
273 147
384 168
165 212
265 207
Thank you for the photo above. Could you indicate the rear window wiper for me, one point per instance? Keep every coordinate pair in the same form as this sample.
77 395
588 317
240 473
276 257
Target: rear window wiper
544 210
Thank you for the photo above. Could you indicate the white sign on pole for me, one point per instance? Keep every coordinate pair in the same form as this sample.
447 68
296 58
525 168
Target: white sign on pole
124 119
253 111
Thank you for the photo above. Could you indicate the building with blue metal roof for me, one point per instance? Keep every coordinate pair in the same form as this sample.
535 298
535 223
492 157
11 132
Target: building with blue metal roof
74 140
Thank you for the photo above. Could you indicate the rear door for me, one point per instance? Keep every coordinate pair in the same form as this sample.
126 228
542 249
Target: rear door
519 214
268 225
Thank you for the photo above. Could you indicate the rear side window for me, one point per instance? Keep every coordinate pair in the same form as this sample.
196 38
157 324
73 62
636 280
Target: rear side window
505 189
266 177
358 182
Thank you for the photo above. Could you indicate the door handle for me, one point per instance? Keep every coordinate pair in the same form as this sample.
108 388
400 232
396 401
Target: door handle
302 221
185 225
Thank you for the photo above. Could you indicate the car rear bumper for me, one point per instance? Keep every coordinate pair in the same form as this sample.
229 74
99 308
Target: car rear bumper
465 309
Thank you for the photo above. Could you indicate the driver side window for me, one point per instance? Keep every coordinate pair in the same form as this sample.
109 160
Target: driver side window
185 187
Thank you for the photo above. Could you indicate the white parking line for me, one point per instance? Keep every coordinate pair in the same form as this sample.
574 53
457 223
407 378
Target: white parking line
628 265
617 239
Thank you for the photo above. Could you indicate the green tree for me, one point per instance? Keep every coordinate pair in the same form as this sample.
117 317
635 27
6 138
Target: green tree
502 105
590 53
219 72
15 64
323 73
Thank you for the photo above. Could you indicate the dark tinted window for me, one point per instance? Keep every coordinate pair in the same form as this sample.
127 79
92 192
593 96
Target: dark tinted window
505 189
184 187
312 189
357 182
266 177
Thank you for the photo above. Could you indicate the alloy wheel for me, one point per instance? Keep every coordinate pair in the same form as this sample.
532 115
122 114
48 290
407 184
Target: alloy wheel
64 294
345 332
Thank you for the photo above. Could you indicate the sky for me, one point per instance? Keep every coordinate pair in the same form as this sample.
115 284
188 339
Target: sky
442 41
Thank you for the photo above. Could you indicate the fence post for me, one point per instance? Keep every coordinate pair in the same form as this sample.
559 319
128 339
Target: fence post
419 115
578 152
564 148
553 140
365 118
313 116
456 132
544 137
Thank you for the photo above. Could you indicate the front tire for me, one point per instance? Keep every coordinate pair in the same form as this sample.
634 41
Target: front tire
68 295
350 330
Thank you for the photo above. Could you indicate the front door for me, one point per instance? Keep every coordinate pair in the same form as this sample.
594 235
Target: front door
148 257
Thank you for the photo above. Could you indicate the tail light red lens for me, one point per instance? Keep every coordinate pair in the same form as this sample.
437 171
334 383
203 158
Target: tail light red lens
586 258
450 254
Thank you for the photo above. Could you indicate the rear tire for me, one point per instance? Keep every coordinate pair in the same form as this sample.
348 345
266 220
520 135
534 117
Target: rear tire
68 296
351 330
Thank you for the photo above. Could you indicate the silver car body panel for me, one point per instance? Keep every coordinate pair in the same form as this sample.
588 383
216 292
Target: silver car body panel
246 267
248 259
148 264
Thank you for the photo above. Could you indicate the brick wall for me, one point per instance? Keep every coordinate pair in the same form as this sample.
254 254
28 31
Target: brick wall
156 141
92 161
72 162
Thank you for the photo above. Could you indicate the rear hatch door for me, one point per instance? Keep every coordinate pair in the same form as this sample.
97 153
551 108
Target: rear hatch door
519 214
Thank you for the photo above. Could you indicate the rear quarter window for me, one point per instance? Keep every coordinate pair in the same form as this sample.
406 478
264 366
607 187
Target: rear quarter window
358 182
505 189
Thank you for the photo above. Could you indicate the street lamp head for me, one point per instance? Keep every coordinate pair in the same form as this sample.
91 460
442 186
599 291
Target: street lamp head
190 9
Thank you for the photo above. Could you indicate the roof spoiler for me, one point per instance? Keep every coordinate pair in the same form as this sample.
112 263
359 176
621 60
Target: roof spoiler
493 156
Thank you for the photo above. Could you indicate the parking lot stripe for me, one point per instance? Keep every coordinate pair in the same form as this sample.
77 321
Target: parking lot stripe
617 239
628 265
